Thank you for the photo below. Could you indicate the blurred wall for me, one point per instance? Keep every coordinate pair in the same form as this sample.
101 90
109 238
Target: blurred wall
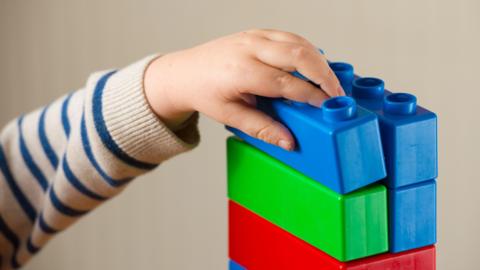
176 218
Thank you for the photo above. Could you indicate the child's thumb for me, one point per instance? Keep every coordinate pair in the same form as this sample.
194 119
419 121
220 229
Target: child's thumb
259 125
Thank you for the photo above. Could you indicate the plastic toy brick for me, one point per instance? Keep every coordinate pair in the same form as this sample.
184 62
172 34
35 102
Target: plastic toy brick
409 138
408 131
347 227
412 216
338 145
259 245
232 265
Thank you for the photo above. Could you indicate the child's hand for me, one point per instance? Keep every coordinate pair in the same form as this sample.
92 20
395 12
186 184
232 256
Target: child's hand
221 78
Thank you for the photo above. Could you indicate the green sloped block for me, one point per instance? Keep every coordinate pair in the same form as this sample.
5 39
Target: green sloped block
347 227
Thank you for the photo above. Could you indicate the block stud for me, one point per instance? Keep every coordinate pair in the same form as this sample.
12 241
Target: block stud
368 88
345 74
338 109
400 104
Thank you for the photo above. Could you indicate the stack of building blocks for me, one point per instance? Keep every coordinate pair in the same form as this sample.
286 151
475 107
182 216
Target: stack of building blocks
358 192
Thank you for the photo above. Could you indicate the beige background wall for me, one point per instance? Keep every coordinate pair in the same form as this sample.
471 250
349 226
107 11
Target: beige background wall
175 218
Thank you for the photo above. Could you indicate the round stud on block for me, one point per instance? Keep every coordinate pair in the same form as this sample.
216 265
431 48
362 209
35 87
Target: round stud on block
368 88
344 73
400 104
338 109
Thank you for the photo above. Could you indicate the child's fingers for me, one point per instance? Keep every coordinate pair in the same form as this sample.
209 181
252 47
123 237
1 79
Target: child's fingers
281 36
306 60
249 99
271 82
258 125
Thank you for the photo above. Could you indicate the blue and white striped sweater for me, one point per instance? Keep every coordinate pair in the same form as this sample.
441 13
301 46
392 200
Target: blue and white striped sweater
62 161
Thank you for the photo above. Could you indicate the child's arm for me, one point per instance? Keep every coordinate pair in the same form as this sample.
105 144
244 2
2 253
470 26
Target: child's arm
60 162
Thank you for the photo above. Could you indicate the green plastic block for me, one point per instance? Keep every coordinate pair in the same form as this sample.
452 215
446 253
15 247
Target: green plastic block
347 227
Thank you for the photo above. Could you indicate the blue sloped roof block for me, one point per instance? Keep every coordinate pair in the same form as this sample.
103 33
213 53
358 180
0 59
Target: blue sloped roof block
338 145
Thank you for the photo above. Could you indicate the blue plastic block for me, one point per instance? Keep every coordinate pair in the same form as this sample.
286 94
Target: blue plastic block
409 132
338 145
232 265
412 216
345 75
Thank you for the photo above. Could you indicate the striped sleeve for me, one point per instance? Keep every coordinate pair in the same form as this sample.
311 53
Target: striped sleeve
62 161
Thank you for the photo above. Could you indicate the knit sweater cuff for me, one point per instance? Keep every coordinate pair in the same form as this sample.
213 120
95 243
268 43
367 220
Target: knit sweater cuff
132 123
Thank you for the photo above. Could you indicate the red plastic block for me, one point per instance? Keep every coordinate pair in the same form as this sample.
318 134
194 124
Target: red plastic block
258 244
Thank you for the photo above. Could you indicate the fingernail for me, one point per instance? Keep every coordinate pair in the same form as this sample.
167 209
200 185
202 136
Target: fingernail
340 91
285 145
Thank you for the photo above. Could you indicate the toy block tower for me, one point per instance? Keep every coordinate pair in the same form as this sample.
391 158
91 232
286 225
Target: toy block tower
357 193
